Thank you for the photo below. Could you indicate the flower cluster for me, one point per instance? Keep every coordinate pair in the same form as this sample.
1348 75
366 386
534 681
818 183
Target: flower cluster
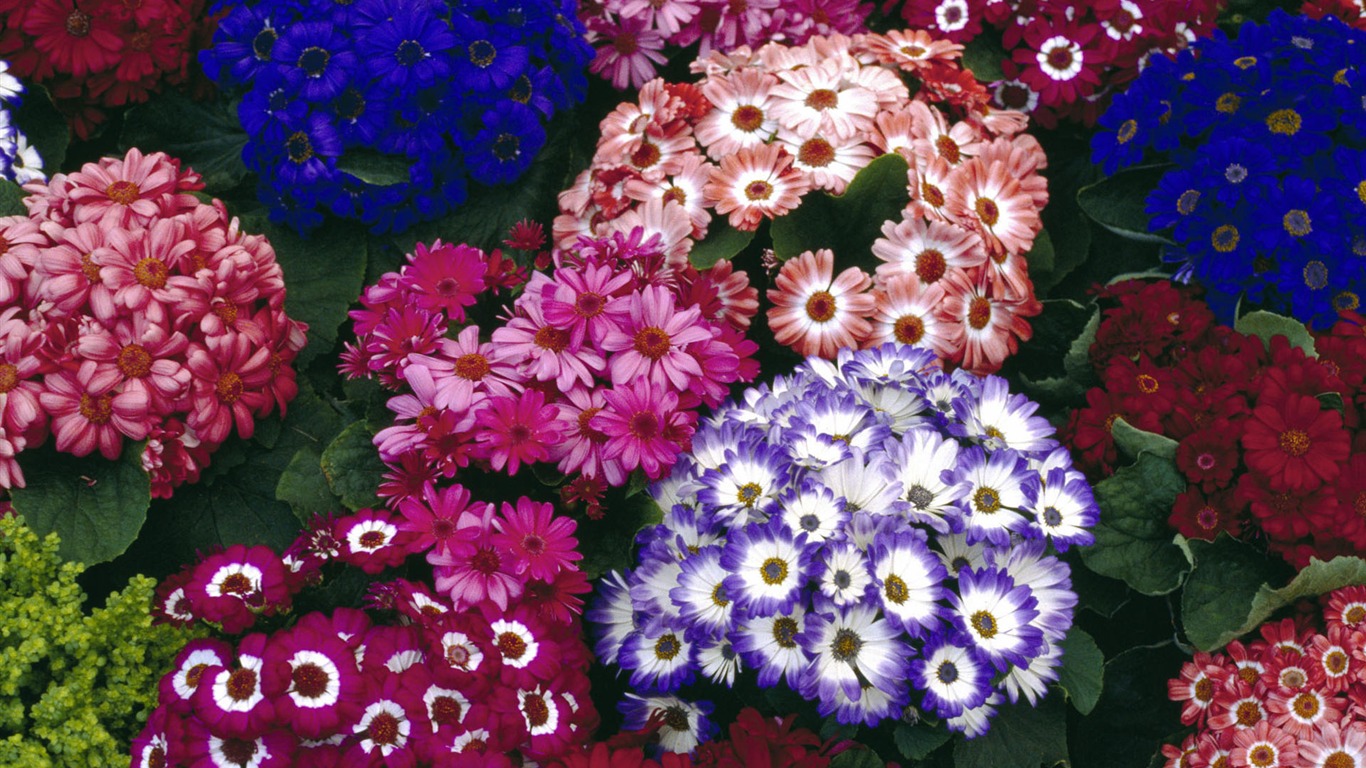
76 684
422 679
1066 59
1292 697
1266 134
875 532
385 111
600 366
773 742
19 161
630 36
1264 455
98 54
129 310
763 129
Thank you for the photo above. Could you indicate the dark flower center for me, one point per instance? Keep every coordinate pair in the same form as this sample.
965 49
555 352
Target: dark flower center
310 680
409 53
263 43
507 146
482 53
313 61
299 147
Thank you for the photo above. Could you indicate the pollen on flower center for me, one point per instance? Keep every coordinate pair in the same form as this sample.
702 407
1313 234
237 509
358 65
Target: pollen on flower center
1340 759
822 99
676 718
1261 756
241 684
409 53
1306 705
932 195
78 23
310 680
372 539
313 60
785 632
1147 384
123 192
979 312
986 500
552 338
151 272
895 589
482 53
537 711
1204 689
773 571
472 366
236 584
1249 713
652 342
988 211
238 751
9 377
646 155
383 729
667 647
299 147
758 190
133 361
1225 238
930 265
511 646
909 329
1294 442
1285 122
821 307
948 148
816 153
846 645
97 410
229 387
747 118
748 493
507 147
1051 517
984 624
718 595
1296 223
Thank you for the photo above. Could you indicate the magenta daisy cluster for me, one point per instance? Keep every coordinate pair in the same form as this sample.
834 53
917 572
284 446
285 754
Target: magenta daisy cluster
876 532
1065 59
599 367
763 129
631 36
488 673
131 311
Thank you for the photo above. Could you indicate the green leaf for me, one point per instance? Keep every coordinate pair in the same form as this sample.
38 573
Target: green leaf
1218 595
858 757
203 135
1133 540
45 126
1118 202
1083 670
323 275
97 506
916 742
983 56
376 168
305 487
1099 594
846 224
12 199
722 242
1332 401
1021 736
607 542
1041 256
830 728
1133 714
1266 325
353 468
1078 360
1134 441
1315 579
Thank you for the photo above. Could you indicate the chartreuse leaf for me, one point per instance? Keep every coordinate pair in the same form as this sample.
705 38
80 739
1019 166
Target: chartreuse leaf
352 466
1083 670
1133 541
203 135
916 742
1266 325
1316 579
722 242
1218 595
847 224
11 199
1134 441
95 505
1118 202
1021 736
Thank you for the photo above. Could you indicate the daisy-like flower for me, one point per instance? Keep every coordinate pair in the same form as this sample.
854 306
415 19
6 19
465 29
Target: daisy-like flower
813 510
117 194
445 277
1334 747
772 645
473 569
995 488
371 540
703 600
1065 509
909 582
747 485
544 351
991 324
391 723
990 201
830 161
177 687
995 615
654 342
741 115
684 724
88 414
756 183
643 426
229 699
953 677
310 675
906 311
815 312
1296 443
1058 62
541 543
849 647
999 419
768 568
659 657
866 481
921 458
229 586
1301 713
840 418
819 99
432 521
719 661
203 747
580 300
517 430
528 653
1265 746
844 575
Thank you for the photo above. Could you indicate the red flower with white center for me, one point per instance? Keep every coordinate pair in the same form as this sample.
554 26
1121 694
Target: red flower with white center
371 540
310 674
87 413
815 312
460 651
230 375
820 100
987 199
1334 746
229 699
956 20
1295 443
756 183
908 312
1347 609
391 725
1058 62
927 251
1236 706
229 588
549 721
529 654
160 741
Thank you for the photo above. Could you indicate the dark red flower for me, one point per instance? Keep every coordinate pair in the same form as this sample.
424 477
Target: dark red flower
1197 516
1142 388
1295 443
1209 457
1286 516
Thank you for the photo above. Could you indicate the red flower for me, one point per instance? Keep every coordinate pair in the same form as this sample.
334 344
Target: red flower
1291 371
1209 457
1296 443
1142 387
1197 516
1282 514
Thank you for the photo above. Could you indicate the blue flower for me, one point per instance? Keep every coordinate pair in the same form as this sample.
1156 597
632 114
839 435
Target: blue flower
315 58
408 50
506 144
995 615
703 600
995 490
659 657
487 58
954 677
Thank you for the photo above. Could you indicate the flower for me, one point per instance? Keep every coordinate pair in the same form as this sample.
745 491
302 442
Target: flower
754 184
542 543
1296 444
816 312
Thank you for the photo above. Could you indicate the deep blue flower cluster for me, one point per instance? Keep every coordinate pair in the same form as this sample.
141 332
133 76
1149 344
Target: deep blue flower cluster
876 532
1266 199
385 110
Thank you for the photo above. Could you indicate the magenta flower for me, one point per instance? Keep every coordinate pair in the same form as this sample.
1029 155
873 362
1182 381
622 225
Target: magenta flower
474 569
432 521
446 278
581 449
145 351
581 301
87 413
138 264
654 343
644 427
311 676
516 430
541 543
543 350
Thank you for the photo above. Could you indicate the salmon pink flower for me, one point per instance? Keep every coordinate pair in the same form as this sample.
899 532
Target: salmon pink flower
815 312
756 183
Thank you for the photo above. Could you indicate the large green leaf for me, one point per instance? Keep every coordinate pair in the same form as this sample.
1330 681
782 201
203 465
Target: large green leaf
203 135
1077 363
849 223
1118 202
1266 325
1134 441
97 506
352 466
376 167
1316 579
722 242
858 757
1133 714
1041 256
1021 736
11 199
1133 541
916 742
1083 670
304 486
1218 596
982 55
47 128
1100 594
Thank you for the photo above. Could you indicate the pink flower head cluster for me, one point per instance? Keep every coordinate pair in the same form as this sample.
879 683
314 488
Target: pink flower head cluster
764 128
1066 56
599 367
418 679
129 310
1293 697
631 35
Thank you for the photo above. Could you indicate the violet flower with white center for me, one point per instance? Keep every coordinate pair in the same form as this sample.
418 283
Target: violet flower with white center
996 616
999 419
772 645
954 677
658 656
814 510
909 581
848 648
767 568
703 601
996 489
746 487
685 724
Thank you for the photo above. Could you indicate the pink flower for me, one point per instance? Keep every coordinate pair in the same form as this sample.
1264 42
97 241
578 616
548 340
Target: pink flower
581 449
644 427
371 540
627 52
581 301
653 344
990 325
86 413
543 350
465 370
120 193
909 312
816 313
228 387
69 273
145 352
541 543
756 183
474 569
432 520
18 255
139 262
513 430
446 277
20 367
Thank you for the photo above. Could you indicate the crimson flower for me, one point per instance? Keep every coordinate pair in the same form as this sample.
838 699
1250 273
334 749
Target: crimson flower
1295 443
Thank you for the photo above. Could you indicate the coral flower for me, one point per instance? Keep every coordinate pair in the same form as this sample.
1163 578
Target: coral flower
815 312
990 326
990 201
1296 444
756 183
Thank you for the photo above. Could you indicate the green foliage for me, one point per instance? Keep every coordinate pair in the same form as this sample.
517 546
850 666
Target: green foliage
916 742
375 167
1083 670
722 242
353 468
858 757
1133 441
96 506
74 687
1256 604
1133 714
847 224
1021 736
983 55
1218 596
11 199
45 127
1266 325
203 135
1117 202
1133 541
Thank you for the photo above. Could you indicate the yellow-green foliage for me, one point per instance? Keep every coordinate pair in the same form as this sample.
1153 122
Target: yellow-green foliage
74 687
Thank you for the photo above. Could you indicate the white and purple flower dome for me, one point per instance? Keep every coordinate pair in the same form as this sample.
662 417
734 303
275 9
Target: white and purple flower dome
875 531
19 161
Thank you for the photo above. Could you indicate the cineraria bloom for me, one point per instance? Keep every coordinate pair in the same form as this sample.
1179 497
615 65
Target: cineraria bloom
922 457
1000 419
953 677
653 343
642 426
995 615
230 587
683 724
517 430
754 184
813 510
703 600
473 569
390 726
1066 509
1297 444
991 201
768 567
908 579
1334 746
431 522
445 277
845 578
310 675
528 654
203 747
995 488
747 484
541 542
849 647
178 686
815 312
659 657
